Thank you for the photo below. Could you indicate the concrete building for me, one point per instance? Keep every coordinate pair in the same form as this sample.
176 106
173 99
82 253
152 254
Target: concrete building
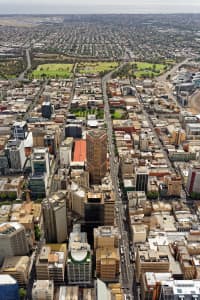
144 142
139 233
178 136
107 252
40 163
13 239
142 175
51 262
180 289
66 152
73 130
193 180
18 267
55 218
19 130
96 151
151 284
106 237
148 260
79 261
47 109
174 185
8 288
43 290
15 153
68 293
38 136
99 209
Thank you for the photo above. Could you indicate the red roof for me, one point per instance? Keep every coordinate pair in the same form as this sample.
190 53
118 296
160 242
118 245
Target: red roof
80 150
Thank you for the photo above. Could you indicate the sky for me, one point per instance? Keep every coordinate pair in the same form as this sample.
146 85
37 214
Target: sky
98 6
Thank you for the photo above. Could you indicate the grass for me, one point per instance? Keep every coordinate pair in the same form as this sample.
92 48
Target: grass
11 68
83 113
53 71
96 68
148 70
118 114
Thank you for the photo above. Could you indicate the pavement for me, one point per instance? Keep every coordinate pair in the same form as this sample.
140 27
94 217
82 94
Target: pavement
127 270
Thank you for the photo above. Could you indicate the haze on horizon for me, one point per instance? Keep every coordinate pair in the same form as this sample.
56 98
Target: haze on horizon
98 6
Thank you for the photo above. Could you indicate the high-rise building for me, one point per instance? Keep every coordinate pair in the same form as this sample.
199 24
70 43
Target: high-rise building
47 109
38 134
79 261
106 237
55 218
141 178
40 161
73 130
20 130
13 239
96 152
43 290
193 180
37 185
8 288
18 267
174 185
51 263
66 152
15 154
107 252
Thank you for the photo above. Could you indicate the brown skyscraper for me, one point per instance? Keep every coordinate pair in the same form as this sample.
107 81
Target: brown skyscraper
96 144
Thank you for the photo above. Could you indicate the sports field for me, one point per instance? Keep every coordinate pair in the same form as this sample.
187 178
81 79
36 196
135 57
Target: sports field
95 68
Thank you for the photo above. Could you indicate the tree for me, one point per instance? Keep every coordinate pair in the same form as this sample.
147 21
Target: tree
37 233
22 293
12 195
3 196
152 195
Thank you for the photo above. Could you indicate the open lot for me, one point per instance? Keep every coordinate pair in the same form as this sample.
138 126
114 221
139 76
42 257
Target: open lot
53 71
96 68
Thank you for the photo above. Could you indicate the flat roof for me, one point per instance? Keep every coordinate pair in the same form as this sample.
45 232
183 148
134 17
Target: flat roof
80 151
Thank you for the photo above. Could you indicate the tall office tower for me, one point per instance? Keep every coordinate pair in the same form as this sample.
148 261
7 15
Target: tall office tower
38 136
47 109
79 261
73 130
20 130
107 252
142 176
193 180
66 152
18 267
144 142
55 218
40 161
178 136
43 290
8 288
16 155
96 149
13 239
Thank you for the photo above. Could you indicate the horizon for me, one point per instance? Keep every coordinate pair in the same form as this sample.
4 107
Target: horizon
10 7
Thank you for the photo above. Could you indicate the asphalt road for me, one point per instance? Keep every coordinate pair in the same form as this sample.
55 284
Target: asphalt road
127 270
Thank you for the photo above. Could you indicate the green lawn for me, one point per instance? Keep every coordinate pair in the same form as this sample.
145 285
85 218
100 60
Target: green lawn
53 71
148 70
83 113
118 114
95 67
